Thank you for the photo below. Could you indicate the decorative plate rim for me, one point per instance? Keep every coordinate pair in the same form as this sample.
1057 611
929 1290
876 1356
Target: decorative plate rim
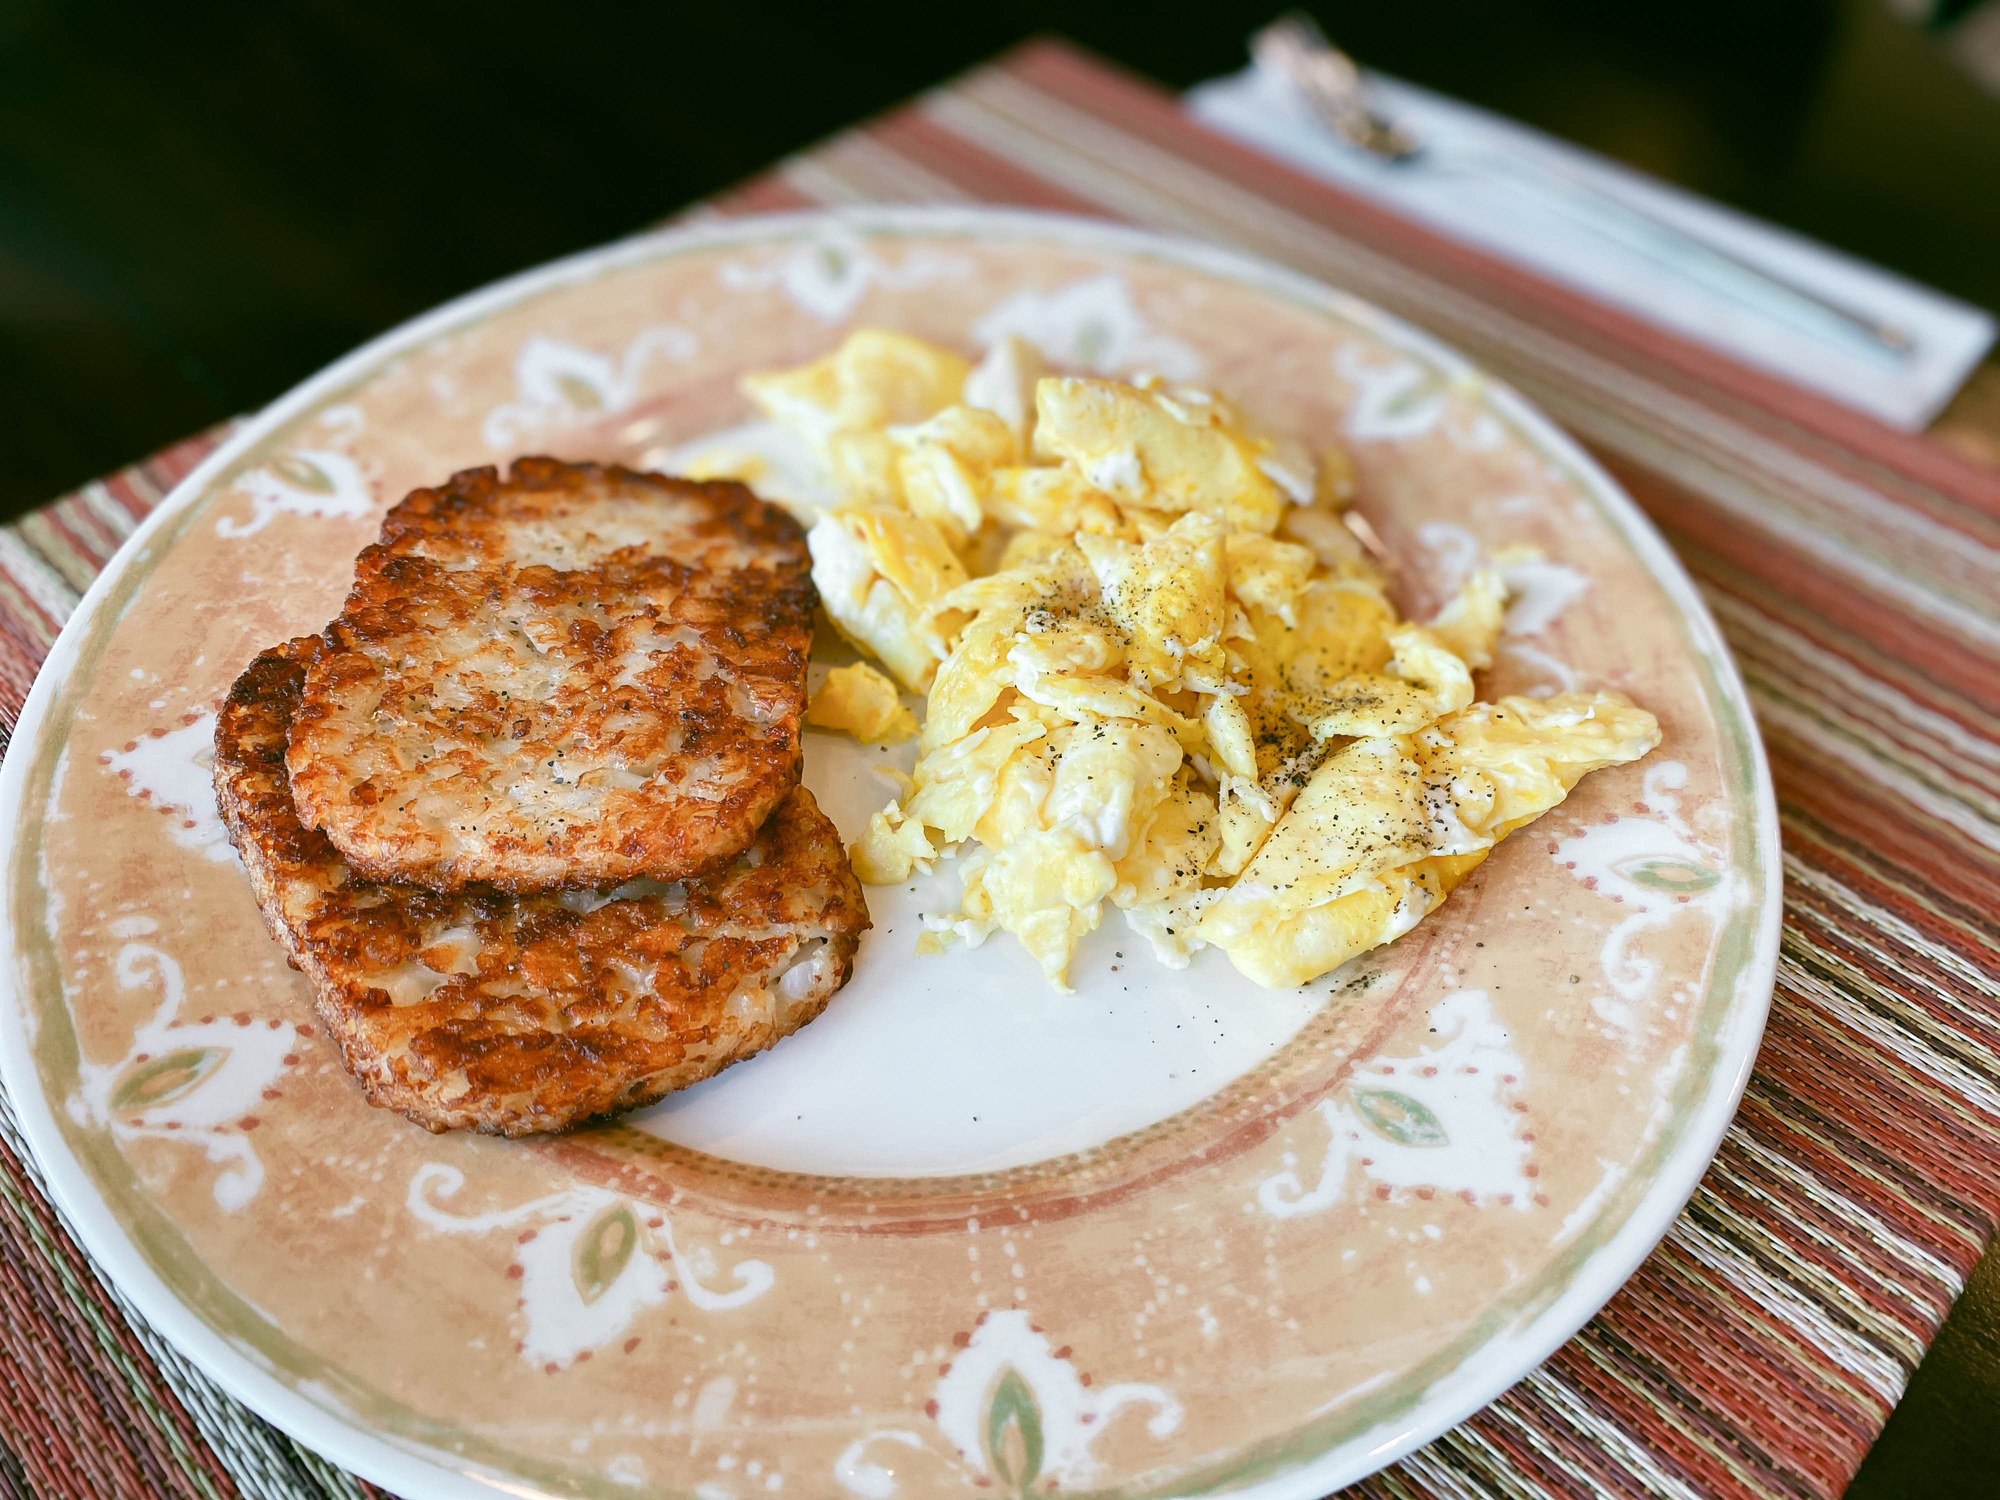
1474 1382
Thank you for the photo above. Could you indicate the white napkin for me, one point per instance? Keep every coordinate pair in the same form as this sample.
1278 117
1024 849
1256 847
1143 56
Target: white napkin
1949 336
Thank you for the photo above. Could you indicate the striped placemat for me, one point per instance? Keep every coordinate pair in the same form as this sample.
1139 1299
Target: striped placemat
1856 571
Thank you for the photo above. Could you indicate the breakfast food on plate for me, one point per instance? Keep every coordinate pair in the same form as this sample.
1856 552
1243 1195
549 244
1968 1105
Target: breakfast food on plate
515 1014
864 703
575 675
1387 826
528 817
1159 668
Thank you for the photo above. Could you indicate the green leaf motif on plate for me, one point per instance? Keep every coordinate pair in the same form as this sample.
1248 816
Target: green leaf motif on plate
1093 342
1411 397
1014 1432
1677 877
603 1250
832 262
580 393
302 474
161 1080
1406 1121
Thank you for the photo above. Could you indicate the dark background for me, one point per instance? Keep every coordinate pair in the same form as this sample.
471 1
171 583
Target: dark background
200 204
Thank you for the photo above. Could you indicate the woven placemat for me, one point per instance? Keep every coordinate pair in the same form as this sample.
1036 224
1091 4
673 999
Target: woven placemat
1856 572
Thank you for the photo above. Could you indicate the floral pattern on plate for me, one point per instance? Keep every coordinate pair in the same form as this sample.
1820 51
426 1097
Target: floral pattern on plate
1168 1235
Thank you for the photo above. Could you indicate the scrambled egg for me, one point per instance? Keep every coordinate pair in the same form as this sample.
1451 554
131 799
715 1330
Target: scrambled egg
864 703
1159 670
1388 826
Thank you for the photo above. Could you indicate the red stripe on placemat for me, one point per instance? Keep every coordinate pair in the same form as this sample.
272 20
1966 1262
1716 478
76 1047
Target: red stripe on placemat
1965 888
763 195
87 1413
70 540
1655 1331
991 178
1765 568
1849 1165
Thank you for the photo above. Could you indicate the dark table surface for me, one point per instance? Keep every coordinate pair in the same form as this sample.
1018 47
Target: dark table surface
200 205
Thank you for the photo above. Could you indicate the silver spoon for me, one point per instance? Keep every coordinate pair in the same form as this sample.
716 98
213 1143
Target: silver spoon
1294 49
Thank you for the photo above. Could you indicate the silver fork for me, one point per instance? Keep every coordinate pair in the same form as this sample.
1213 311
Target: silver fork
1326 79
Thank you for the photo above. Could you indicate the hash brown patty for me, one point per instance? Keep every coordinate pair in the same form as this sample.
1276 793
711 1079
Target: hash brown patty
520 1014
575 675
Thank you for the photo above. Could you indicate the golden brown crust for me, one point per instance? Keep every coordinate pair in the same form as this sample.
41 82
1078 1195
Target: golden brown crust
576 675
521 1014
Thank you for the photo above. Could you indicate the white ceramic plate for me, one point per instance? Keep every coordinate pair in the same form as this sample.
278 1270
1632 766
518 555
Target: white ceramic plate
1169 1235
